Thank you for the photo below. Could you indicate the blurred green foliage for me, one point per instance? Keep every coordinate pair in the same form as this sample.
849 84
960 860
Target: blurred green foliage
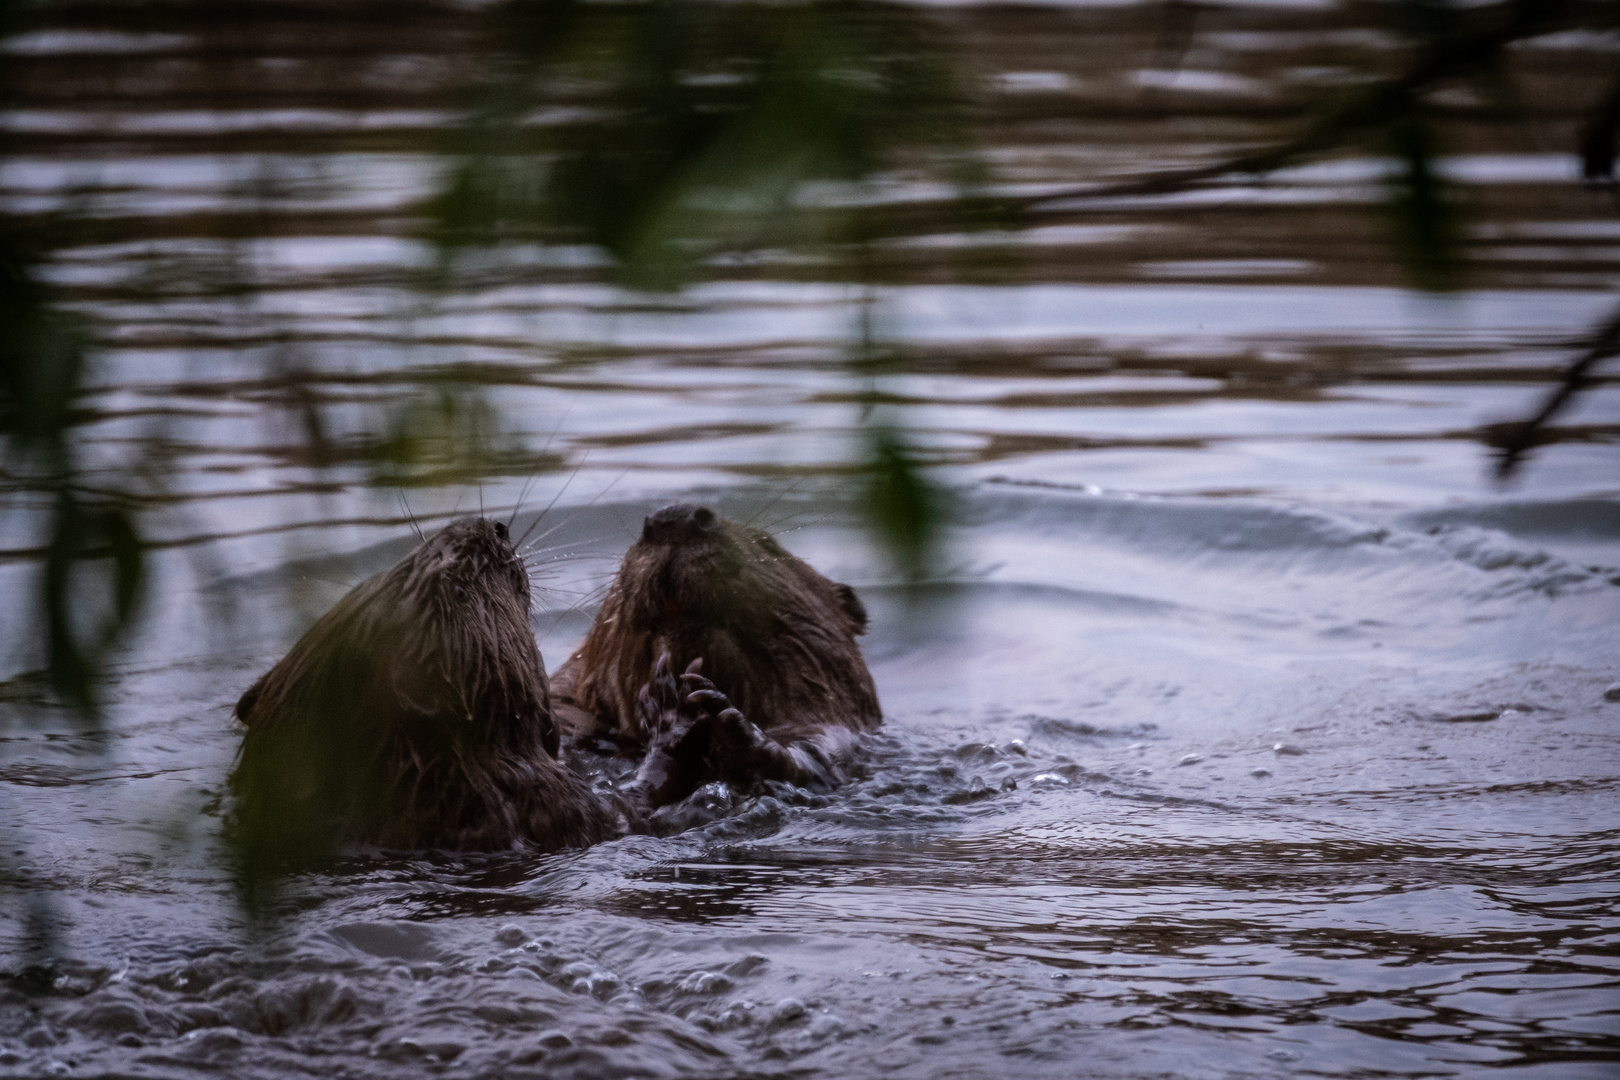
666 131
42 362
1425 218
447 435
904 509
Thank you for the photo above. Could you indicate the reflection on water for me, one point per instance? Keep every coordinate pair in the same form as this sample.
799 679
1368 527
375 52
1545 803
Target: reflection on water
1242 731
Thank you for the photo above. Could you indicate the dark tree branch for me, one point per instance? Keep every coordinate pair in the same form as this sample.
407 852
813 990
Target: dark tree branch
1598 138
1445 59
1514 441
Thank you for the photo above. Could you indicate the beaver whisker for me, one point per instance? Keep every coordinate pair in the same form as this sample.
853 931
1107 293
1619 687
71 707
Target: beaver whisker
545 448
558 563
538 518
589 503
778 498
773 530
552 593
534 550
406 506
585 600
533 545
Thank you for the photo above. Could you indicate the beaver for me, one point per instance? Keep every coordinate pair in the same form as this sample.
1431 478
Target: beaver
416 713
775 684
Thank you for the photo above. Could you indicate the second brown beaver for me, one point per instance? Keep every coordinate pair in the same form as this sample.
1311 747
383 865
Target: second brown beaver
768 632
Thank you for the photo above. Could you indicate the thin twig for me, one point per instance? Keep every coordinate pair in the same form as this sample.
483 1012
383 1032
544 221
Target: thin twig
1514 441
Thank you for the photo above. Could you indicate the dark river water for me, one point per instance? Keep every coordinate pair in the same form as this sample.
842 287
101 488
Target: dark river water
1242 728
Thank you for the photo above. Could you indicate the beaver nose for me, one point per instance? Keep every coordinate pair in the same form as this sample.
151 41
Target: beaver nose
677 521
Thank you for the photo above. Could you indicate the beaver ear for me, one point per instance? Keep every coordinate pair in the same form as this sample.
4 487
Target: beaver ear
852 607
245 703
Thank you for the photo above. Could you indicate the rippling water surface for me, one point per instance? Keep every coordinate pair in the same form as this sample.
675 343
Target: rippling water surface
1243 729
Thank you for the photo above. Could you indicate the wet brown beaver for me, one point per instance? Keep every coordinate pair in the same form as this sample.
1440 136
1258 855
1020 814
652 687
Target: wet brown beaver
769 632
416 713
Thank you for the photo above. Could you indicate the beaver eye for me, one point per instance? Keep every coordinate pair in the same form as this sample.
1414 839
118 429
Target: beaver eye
500 529
703 516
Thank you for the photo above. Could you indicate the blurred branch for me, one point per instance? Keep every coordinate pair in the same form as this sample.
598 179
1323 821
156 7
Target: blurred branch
1597 143
691 127
1451 56
1515 440
42 365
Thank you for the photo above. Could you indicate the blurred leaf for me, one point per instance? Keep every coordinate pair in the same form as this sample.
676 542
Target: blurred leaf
80 534
901 504
1425 219
71 669
129 566
450 434
40 360
667 130
1597 138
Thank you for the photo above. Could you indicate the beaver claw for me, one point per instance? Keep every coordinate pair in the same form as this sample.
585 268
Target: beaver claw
659 700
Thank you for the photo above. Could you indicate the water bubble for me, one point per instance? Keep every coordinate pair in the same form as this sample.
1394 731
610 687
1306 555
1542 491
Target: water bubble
1283 749
704 982
1047 779
603 985
739 968
738 1014
788 1010
1612 692
1190 759
215 1040
511 935
1260 773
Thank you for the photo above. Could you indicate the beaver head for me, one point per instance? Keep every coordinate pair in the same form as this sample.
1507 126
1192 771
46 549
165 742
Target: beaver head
415 713
774 635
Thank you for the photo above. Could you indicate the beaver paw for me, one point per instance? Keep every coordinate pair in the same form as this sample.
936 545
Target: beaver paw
682 719
735 745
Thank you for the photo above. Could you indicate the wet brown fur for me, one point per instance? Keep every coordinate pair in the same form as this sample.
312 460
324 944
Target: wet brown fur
774 635
415 714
